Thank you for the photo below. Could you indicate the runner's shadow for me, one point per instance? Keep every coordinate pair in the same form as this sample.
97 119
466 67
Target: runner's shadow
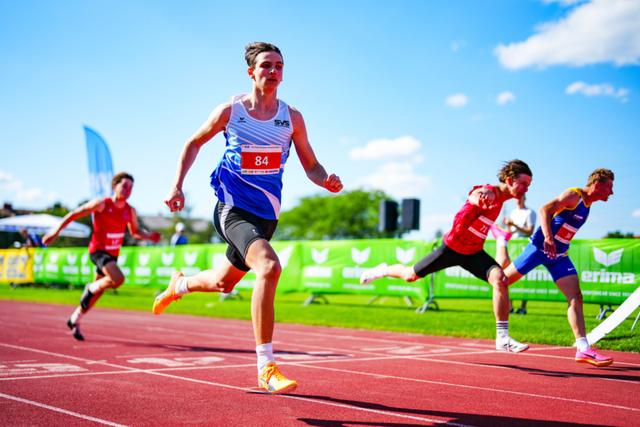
604 373
451 417
205 349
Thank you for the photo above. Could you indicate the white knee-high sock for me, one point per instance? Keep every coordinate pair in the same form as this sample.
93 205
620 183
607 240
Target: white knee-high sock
265 355
182 287
76 315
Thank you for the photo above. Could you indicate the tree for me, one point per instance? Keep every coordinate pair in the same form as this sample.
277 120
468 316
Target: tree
349 215
619 235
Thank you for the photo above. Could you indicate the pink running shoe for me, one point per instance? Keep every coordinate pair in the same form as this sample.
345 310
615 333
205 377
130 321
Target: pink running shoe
500 232
591 356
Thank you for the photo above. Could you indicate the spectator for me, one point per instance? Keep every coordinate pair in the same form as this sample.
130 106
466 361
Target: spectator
179 237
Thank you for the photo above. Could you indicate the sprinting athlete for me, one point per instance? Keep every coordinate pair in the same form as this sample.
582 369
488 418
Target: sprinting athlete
463 245
560 220
259 130
111 217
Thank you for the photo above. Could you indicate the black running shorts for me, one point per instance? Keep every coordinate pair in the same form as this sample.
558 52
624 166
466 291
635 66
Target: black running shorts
239 229
478 264
100 259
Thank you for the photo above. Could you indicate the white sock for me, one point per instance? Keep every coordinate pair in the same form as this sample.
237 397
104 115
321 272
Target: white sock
502 330
76 316
94 287
265 355
582 344
501 241
182 287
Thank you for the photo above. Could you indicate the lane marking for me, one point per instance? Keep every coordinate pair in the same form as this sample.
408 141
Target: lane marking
442 383
245 389
60 410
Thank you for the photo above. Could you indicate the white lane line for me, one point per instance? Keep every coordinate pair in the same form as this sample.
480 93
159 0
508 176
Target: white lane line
60 410
489 389
245 389
434 357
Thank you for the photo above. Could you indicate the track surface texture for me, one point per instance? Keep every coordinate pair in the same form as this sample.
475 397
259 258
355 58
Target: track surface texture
143 370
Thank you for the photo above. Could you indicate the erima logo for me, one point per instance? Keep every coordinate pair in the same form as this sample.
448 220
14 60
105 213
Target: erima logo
167 259
284 255
143 259
242 120
360 257
320 257
607 259
405 256
281 123
190 257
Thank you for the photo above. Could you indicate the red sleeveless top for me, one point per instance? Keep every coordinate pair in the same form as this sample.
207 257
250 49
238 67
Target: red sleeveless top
109 227
471 225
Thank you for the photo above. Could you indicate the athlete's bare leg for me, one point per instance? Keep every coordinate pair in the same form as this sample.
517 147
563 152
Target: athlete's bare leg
502 256
570 288
498 279
221 279
399 271
263 260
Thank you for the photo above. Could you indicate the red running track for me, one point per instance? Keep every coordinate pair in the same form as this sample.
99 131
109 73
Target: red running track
137 369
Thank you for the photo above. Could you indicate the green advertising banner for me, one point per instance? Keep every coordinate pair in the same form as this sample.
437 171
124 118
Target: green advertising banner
332 267
607 268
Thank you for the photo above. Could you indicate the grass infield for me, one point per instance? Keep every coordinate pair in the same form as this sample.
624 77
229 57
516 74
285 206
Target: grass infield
545 322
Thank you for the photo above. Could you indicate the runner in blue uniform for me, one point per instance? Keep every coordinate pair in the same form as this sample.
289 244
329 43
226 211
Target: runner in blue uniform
560 220
259 130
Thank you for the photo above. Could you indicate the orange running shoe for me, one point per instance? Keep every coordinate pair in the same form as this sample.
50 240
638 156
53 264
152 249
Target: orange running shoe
272 380
169 295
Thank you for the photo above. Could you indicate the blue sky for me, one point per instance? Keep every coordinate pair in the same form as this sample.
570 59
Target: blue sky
420 98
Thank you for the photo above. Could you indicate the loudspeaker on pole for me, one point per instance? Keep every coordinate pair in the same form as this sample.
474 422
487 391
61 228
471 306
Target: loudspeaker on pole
410 219
388 220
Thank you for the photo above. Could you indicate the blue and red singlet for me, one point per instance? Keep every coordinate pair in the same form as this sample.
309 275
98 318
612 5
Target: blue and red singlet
564 225
249 175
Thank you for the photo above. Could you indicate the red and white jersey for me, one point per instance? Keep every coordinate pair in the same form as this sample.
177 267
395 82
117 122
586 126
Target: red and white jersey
472 224
109 227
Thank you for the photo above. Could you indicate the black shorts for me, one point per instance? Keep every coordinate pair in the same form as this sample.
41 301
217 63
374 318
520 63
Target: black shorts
239 229
478 264
100 259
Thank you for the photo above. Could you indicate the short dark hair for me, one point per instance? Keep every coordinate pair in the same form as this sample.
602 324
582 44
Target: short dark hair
252 50
512 169
600 175
119 177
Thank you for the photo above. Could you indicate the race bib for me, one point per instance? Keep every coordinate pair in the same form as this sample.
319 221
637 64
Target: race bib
260 159
565 234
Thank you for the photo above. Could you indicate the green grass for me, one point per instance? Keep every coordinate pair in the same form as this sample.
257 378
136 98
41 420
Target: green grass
545 323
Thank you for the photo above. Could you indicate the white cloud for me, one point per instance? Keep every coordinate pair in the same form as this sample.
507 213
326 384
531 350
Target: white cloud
600 31
636 213
385 148
504 98
397 179
458 45
457 100
603 89
565 3
17 192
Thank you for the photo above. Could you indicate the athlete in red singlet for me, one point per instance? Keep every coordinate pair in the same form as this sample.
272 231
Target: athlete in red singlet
463 244
111 217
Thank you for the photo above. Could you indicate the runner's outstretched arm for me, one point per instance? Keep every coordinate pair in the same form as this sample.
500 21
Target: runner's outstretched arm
214 124
314 170
79 212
